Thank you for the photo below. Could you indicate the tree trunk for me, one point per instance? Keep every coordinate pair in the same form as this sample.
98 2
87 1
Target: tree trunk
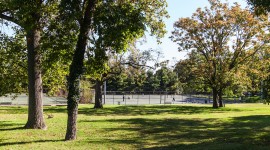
220 98
215 93
76 70
98 95
35 106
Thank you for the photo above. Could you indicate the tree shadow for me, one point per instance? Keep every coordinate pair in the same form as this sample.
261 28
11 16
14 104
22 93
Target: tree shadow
248 132
4 124
27 142
123 110
152 110
23 110
55 109
13 110
11 129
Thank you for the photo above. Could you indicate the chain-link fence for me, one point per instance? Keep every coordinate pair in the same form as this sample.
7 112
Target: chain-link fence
22 99
131 98
161 97
157 97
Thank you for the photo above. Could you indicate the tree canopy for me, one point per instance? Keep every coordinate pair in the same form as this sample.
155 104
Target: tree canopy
224 37
260 6
13 58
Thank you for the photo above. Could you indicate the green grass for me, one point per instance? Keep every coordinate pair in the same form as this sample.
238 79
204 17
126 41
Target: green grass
241 126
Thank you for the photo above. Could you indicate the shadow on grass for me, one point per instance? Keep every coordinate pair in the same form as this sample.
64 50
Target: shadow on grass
11 129
28 142
23 109
13 110
11 125
123 110
152 110
249 132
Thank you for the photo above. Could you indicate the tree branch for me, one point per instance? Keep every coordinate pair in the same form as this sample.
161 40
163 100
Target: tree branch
9 18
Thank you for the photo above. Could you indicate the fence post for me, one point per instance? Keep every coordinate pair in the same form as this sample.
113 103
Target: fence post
125 99
149 99
137 99
113 98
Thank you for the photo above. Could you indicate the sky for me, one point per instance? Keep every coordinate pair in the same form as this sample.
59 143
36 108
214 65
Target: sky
178 9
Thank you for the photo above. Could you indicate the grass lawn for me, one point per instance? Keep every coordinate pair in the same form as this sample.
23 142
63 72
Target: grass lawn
239 126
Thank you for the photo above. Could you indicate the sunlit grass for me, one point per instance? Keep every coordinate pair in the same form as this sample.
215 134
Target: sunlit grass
238 126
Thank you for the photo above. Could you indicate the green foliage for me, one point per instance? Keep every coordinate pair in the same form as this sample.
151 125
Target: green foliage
87 94
151 82
13 58
57 49
56 46
116 26
189 81
133 79
260 6
21 12
167 79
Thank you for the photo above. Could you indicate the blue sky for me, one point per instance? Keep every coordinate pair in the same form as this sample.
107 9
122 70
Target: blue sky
176 10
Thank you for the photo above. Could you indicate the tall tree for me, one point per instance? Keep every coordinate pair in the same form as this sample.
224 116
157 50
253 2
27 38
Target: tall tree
32 17
225 37
83 13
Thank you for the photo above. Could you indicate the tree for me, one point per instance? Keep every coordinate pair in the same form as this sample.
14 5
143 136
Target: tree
258 72
151 82
224 37
260 6
188 76
31 17
82 12
166 77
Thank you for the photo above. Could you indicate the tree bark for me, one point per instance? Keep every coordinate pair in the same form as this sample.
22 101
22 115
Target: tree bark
220 100
215 93
35 105
98 95
76 70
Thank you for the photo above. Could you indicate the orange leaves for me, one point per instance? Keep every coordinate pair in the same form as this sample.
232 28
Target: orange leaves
221 38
